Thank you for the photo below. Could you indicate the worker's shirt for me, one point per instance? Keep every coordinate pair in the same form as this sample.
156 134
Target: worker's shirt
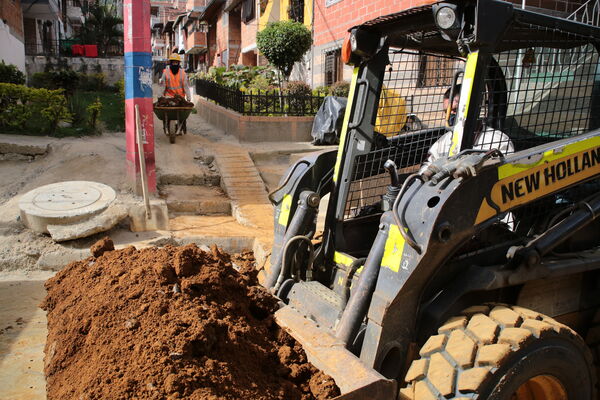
175 84
487 140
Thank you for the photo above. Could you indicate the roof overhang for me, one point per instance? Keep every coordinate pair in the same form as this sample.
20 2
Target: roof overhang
211 9
231 4
41 9
178 20
169 26
197 49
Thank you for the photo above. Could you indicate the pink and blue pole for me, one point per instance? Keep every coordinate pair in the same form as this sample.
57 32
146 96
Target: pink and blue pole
138 90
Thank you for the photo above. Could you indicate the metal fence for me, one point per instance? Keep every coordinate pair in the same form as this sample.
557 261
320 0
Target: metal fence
63 48
264 103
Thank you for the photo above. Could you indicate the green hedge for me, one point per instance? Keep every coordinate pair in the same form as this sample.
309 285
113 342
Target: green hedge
22 108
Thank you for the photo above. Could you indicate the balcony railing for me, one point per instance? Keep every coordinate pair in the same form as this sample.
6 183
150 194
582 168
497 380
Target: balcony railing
62 48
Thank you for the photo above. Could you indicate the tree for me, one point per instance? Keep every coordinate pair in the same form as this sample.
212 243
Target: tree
11 74
102 27
284 43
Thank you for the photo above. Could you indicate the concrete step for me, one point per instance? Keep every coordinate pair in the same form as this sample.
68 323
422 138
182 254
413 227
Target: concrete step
196 200
201 176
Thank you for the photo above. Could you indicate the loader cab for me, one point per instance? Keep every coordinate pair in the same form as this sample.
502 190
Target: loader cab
530 83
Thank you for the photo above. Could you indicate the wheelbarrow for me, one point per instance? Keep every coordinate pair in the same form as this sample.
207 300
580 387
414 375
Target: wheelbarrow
173 119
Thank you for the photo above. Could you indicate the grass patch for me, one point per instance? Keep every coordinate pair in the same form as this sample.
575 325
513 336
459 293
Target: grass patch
113 112
112 116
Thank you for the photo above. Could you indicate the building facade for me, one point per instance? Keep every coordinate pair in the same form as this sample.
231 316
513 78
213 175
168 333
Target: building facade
231 32
333 18
12 39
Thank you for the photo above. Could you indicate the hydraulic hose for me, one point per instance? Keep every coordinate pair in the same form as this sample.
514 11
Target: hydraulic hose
285 265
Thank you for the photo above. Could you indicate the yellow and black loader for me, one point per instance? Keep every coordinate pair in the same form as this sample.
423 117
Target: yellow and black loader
459 257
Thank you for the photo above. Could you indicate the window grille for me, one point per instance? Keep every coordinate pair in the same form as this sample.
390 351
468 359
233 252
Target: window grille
435 71
402 100
333 67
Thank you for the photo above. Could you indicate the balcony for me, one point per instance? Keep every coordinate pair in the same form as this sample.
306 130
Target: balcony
196 43
41 9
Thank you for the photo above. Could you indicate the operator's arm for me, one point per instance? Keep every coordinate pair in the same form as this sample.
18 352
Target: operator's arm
495 139
439 149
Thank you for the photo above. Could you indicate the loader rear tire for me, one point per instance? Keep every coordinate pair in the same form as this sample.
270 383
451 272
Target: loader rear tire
502 352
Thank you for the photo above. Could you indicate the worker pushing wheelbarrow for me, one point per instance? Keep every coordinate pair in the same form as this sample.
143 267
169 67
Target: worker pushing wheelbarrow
174 108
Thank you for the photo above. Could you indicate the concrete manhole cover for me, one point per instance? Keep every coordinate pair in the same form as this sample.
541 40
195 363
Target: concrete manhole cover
67 200
64 199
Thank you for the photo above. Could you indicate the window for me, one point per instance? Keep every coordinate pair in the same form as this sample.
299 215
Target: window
333 66
435 71
296 11
331 2
248 10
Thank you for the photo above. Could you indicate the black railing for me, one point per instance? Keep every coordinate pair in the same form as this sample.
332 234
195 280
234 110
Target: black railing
63 48
253 102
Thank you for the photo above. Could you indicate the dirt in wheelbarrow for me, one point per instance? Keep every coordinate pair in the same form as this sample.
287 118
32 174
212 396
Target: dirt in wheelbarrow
176 101
170 323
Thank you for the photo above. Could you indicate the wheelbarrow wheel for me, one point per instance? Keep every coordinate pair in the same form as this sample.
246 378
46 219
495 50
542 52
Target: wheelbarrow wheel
171 129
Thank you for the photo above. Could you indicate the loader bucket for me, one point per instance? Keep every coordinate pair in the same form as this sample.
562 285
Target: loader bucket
326 352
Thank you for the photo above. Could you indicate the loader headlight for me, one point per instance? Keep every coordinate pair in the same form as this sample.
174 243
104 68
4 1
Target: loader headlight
448 18
445 18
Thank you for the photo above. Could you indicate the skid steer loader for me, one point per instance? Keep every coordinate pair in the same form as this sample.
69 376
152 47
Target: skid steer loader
474 275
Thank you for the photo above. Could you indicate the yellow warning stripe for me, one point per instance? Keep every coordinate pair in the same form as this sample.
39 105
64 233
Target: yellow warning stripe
341 147
284 214
506 170
465 98
343 259
394 247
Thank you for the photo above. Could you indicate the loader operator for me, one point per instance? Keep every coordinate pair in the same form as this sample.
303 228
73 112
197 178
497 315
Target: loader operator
486 138
175 79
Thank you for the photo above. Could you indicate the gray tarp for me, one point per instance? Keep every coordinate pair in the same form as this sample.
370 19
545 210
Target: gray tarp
328 121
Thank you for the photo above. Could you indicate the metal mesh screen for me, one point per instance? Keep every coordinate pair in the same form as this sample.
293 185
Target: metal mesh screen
410 119
537 95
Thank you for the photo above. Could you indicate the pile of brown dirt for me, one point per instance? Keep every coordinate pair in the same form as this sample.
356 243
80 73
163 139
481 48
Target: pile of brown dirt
176 101
170 323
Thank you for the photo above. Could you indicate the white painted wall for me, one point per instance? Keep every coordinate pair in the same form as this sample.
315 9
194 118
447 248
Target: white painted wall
12 50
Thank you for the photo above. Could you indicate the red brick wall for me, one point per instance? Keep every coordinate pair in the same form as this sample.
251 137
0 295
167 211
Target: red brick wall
332 23
212 43
10 10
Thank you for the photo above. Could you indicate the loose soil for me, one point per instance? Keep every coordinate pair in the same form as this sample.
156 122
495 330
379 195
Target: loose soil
176 101
174 323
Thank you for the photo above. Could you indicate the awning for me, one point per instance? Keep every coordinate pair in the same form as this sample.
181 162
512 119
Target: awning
211 9
196 12
231 4
169 26
197 49
41 9
178 19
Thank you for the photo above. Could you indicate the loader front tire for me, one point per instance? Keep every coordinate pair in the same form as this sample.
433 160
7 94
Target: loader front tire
501 352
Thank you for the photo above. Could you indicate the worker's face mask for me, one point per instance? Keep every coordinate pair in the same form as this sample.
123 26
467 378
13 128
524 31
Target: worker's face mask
174 68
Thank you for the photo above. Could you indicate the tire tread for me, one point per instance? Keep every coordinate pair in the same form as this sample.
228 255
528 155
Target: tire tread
473 345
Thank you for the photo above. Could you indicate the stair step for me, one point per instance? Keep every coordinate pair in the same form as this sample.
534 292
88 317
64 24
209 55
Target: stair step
197 200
